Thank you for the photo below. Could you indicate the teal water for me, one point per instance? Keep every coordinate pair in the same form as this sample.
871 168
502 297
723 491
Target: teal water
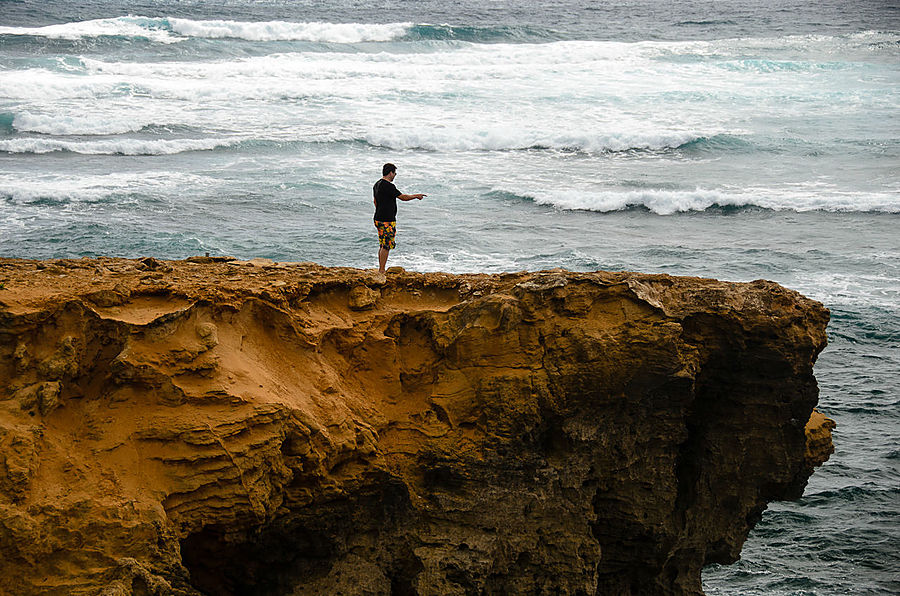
737 140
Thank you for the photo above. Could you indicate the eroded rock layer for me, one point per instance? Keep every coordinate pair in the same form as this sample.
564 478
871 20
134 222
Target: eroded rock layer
221 427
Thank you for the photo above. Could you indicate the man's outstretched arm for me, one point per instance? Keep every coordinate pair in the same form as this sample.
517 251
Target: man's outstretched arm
419 196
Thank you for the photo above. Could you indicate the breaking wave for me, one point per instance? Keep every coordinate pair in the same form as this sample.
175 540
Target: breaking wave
114 146
172 30
669 202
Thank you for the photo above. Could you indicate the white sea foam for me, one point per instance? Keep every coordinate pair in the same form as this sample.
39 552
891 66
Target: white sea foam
286 31
519 136
92 188
39 85
456 261
566 72
668 202
853 290
151 29
346 96
114 146
533 103
171 30
473 138
67 124
662 202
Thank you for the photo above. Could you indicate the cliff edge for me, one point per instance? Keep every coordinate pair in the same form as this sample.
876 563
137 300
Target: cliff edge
213 426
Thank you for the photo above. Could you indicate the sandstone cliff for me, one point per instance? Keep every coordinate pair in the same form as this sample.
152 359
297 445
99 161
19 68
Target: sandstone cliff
215 427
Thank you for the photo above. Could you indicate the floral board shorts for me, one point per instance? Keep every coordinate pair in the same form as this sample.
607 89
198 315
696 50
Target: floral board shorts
387 232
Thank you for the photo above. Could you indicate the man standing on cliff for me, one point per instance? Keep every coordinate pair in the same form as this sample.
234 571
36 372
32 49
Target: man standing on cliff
386 195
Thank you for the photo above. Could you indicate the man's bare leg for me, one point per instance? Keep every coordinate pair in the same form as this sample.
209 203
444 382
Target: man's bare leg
382 258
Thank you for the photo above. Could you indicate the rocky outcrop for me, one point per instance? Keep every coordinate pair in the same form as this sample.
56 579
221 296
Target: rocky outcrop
818 440
222 427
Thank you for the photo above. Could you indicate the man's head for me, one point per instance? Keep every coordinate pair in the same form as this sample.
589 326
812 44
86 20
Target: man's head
389 170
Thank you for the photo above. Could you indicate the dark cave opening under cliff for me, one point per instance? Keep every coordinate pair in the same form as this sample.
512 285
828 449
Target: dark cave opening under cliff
262 562
302 547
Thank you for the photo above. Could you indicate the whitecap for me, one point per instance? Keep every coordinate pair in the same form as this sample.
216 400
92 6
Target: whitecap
172 30
661 202
668 202
54 124
114 146
92 188
509 138
288 31
140 27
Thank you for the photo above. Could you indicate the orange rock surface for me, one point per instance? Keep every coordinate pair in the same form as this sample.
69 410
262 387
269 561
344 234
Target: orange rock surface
818 439
212 426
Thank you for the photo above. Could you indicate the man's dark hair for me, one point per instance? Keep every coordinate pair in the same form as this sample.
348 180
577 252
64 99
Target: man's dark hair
388 168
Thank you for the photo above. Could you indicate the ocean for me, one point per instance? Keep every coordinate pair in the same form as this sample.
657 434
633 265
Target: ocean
731 139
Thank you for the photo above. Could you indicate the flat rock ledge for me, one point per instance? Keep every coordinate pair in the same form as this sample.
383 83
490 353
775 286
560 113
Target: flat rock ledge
223 427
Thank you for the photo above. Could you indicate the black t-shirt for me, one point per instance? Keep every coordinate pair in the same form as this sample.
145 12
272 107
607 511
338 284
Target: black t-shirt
385 200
